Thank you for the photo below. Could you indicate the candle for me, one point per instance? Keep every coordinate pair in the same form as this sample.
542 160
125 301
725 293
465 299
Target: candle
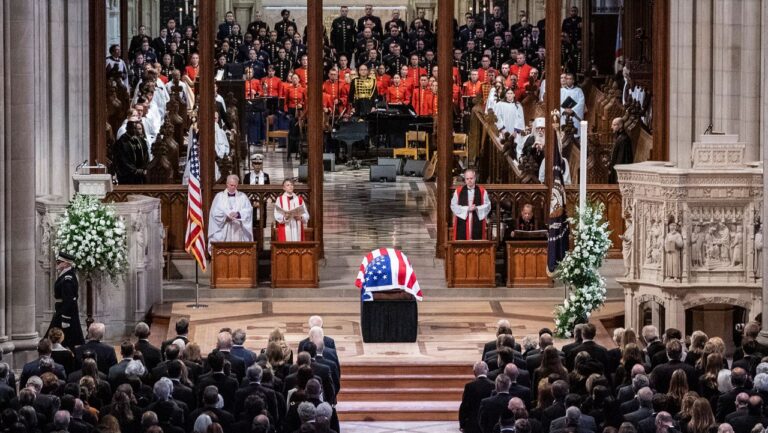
194 14
583 167
180 9
186 8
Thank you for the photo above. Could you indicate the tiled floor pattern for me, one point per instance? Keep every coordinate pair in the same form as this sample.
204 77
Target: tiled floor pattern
400 427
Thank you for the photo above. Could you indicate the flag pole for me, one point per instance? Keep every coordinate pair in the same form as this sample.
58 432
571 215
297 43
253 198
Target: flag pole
197 304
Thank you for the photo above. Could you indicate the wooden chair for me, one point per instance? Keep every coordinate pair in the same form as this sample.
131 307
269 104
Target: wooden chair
460 141
412 148
274 134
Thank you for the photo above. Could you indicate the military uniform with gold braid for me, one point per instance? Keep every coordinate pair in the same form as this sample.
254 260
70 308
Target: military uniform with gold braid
363 95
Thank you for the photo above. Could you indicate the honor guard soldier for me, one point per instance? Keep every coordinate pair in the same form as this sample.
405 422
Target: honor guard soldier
343 33
66 315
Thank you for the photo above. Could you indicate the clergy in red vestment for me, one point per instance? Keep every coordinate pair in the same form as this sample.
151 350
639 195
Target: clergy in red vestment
470 206
291 215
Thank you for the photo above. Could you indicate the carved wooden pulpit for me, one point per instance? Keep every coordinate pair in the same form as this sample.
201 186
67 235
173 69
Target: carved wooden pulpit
234 265
527 263
294 264
471 264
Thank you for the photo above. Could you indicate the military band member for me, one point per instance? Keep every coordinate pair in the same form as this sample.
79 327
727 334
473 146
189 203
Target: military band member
362 92
343 33
65 290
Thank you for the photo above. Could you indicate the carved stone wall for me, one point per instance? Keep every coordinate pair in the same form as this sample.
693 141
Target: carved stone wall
119 305
693 236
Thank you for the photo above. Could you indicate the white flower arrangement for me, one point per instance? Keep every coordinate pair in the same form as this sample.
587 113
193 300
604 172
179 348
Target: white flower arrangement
579 270
96 237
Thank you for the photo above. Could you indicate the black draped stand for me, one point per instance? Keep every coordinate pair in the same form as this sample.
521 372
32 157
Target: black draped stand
389 321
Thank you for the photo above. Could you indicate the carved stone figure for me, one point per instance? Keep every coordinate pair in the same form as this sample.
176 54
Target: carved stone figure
758 250
697 247
627 238
46 226
737 239
654 243
673 249
140 238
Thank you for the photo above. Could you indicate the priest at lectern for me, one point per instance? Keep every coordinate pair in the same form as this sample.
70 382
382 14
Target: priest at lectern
231 218
470 206
290 214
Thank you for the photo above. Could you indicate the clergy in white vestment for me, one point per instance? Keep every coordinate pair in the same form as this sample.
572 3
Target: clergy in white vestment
566 173
290 215
470 206
494 95
222 141
510 117
571 90
231 218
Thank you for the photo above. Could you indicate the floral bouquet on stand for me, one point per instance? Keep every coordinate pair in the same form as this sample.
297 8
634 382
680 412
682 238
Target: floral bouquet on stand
579 270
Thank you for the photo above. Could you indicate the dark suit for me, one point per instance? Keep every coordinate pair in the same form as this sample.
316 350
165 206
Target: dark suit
324 373
662 374
248 356
474 393
533 361
569 347
166 343
586 423
268 395
491 408
638 415
105 355
523 377
184 394
328 342
152 355
238 365
227 387
745 423
226 419
247 181
32 368
553 412
655 347
117 373
491 345
629 406
335 374
625 394
521 392
726 403
596 351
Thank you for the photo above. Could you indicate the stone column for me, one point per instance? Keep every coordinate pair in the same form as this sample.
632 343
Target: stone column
681 82
750 78
4 164
20 172
703 59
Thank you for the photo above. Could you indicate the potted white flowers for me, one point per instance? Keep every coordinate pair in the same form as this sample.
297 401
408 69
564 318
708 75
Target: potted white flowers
96 237
579 270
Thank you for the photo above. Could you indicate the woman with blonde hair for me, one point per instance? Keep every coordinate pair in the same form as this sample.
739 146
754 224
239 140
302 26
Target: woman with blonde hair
277 336
678 388
708 380
696 348
686 407
702 418
275 358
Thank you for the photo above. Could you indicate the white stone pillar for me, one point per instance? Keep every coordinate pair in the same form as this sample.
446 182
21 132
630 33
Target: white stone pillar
702 96
681 82
751 75
20 171
4 164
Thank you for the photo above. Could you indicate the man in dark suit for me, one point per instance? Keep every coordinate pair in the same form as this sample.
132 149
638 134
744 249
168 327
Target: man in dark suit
311 349
502 328
557 408
596 351
660 357
152 355
182 331
224 346
502 341
750 358
181 391
754 416
226 385
474 392
742 401
533 360
577 339
653 345
209 398
726 403
42 364
327 341
105 354
238 348
116 374
662 374
515 389
639 380
254 387
508 356
573 418
495 406
645 398
7 391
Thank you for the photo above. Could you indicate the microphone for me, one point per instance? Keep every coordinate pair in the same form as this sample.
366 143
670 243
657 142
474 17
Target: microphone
708 131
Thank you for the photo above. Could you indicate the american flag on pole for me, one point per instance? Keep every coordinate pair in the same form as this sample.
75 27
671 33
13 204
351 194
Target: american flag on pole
386 269
194 242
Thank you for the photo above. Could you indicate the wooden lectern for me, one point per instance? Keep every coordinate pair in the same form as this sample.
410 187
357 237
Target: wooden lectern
527 263
471 264
294 264
234 265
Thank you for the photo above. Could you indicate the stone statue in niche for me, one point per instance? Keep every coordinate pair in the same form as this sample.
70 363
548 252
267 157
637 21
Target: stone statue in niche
626 238
697 247
140 237
653 255
737 241
46 226
673 251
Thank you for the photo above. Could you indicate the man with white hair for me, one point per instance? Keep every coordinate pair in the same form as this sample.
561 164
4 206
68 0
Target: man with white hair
224 345
533 145
253 386
474 392
653 344
317 336
328 342
105 354
239 350
61 422
231 215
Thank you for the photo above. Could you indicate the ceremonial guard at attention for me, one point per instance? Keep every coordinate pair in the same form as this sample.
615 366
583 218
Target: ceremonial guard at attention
65 290
343 33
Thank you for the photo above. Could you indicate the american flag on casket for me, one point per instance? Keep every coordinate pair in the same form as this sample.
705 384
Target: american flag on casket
386 269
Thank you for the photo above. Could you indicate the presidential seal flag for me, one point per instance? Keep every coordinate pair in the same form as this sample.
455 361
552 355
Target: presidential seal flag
557 222
386 269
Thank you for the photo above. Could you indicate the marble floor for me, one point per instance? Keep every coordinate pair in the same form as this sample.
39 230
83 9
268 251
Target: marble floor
400 427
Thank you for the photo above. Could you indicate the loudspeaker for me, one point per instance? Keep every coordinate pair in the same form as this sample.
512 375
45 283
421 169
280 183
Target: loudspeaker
414 167
303 173
397 162
329 162
383 173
